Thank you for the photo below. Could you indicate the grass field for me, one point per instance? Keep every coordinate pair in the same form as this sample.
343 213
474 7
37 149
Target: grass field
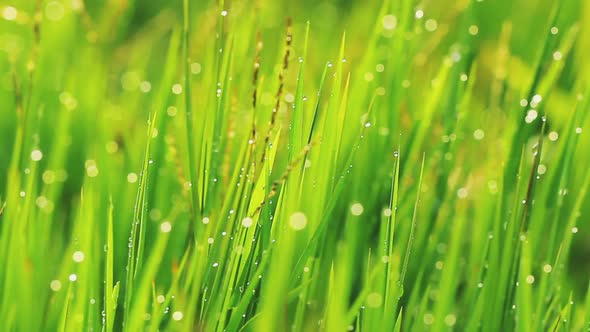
276 165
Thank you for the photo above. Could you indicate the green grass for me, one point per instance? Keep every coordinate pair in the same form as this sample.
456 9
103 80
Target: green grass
294 165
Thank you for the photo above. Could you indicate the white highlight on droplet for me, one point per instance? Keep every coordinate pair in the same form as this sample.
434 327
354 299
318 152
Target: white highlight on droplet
177 89
196 68
478 134
289 97
9 13
247 222
387 212
357 209
298 221
177 315
36 155
132 177
531 115
431 25
78 256
462 193
450 319
389 22
165 227
91 168
55 285
530 279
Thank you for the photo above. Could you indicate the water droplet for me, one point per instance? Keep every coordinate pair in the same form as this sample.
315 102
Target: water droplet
462 193
9 13
478 134
36 155
531 115
450 320
132 177
177 89
165 227
298 221
387 212
78 256
431 25
177 315
530 279
356 209
55 285
196 68
389 22
247 222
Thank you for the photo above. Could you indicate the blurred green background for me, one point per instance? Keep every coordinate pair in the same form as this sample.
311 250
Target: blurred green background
89 71
107 42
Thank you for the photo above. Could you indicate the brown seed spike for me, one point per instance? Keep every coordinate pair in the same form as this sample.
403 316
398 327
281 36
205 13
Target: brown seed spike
284 176
288 43
255 90
37 17
17 95
279 93
256 67
2 209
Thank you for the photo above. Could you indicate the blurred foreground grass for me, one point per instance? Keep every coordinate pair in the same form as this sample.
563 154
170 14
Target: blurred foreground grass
294 165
